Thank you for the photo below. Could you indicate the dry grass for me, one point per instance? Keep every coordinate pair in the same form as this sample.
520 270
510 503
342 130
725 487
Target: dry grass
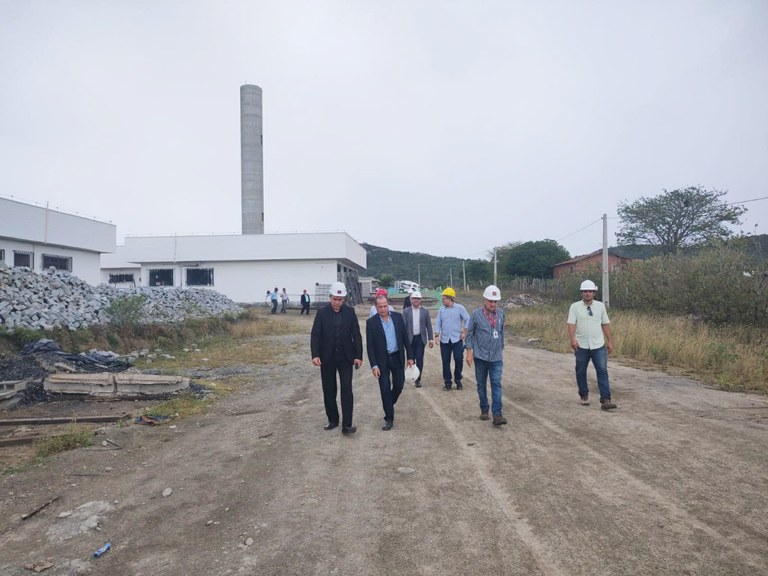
248 341
733 358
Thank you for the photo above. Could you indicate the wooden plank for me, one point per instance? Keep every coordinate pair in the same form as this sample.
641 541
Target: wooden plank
67 420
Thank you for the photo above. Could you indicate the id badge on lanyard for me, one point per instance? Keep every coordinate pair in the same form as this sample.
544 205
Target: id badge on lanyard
495 333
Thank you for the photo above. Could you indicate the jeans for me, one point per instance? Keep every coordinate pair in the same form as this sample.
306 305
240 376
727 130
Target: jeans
457 350
599 357
418 353
483 369
274 306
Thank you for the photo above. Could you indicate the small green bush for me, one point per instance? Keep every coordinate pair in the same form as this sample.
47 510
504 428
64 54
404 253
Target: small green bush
126 311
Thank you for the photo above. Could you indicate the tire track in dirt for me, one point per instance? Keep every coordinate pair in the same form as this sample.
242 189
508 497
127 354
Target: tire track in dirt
621 476
500 495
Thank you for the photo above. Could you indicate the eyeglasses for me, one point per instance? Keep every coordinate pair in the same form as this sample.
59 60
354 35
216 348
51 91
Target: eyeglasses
589 309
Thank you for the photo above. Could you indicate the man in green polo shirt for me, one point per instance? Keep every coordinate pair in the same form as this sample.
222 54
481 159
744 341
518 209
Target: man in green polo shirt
589 331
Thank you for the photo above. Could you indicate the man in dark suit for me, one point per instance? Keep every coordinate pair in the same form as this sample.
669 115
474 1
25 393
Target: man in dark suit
418 330
337 345
388 349
304 303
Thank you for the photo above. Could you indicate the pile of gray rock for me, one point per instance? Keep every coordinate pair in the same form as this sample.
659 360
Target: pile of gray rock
56 299
522 301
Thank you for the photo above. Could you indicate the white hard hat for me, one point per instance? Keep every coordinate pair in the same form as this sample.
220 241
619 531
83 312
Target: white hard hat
416 294
588 285
492 293
338 289
411 373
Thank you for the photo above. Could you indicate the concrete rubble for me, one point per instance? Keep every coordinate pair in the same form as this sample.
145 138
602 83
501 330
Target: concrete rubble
57 299
109 385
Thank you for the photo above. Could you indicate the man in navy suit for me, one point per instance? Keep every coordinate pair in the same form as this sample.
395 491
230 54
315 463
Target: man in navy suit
388 350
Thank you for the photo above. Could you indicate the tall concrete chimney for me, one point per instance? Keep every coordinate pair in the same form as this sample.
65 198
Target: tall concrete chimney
251 159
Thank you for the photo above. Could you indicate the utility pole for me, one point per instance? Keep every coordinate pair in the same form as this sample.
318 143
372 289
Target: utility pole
418 268
450 276
464 273
606 288
495 265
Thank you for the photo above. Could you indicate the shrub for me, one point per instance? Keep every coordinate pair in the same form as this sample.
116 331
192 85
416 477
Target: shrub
127 311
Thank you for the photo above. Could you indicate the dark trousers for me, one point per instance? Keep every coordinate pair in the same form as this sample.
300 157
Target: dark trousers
274 306
283 308
418 353
304 308
391 383
328 370
457 350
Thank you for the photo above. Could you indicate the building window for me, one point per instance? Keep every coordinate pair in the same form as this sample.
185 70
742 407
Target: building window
199 276
57 262
121 279
2 255
23 259
161 277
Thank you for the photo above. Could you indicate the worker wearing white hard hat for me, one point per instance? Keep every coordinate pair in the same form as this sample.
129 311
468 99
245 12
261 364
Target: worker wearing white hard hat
337 346
590 337
418 329
485 346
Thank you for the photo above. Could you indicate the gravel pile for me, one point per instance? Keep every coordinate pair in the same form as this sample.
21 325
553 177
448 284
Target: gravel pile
57 299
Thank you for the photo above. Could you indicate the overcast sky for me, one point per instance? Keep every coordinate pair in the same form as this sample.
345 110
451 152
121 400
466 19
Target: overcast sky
440 127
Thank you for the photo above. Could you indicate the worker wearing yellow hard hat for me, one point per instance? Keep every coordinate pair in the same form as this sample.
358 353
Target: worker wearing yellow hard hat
450 330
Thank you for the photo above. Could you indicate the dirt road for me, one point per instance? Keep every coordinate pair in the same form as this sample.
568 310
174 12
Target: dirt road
673 482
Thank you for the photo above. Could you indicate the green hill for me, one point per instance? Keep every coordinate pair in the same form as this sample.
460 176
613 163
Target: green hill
429 271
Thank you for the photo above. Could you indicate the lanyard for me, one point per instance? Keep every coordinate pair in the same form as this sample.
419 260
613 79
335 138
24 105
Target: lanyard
488 317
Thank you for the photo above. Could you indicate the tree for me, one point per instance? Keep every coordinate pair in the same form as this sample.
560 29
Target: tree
386 281
533 259
677 219
479 272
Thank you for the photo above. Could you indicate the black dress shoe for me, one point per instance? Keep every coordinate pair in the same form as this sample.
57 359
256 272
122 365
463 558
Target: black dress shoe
331 426
447 387
347 430
418 384
459 386
387 425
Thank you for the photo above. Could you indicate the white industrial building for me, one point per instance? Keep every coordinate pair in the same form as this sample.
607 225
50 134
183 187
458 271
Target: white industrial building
39 238
242 267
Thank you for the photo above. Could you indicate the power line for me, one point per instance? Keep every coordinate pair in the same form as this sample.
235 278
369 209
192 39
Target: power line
745 201
580 229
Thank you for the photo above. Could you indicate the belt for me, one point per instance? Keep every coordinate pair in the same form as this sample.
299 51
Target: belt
394 354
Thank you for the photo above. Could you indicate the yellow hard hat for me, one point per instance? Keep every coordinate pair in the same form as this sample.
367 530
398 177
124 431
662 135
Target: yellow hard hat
450 292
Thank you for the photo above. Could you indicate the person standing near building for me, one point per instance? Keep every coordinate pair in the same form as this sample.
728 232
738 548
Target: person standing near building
484 345
304 303
336 346
450 330
388 350
589 332
284 300
274 300
418 331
